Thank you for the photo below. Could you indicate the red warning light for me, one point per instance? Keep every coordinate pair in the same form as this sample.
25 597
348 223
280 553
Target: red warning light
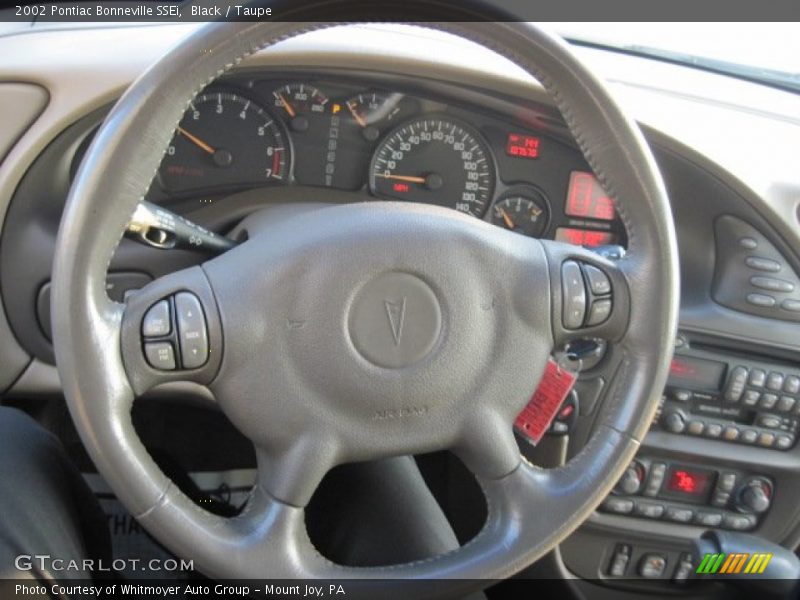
522 146
400 187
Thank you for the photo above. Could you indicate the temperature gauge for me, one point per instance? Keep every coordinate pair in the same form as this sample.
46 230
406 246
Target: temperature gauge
524 212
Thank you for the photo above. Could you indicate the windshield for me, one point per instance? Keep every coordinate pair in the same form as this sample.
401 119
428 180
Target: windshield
764 52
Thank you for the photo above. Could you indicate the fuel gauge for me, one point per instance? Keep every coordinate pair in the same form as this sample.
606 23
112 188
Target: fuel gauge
370 109
524 212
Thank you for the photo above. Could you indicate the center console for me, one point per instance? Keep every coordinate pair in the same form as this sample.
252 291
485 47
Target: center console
721 453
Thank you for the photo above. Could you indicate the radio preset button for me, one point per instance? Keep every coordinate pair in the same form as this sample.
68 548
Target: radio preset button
766 439
792 384
696 427
758 377
785 404
749 436
775 381
784 441
767 401
731 433
713 430
751 397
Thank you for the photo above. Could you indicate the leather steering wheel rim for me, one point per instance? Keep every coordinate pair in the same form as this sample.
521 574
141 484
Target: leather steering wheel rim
530 509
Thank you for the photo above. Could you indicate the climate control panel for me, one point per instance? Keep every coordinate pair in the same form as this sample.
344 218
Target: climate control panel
659 489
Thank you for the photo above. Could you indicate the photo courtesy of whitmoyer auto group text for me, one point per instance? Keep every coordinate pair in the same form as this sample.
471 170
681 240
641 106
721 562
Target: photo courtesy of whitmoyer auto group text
400 300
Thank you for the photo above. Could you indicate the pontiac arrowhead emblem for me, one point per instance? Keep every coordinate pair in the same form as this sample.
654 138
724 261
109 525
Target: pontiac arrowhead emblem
396 311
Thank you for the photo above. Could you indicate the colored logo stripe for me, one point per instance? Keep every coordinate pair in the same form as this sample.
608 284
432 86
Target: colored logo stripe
732 564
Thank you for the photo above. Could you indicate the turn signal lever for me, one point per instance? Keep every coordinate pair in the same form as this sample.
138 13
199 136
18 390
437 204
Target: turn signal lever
160 228
749 563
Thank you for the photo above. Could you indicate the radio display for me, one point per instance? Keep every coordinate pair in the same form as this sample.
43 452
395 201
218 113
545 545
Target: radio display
587 198
696 373
688 484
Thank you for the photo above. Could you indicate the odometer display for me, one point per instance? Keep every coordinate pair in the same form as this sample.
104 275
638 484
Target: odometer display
587 198
434 160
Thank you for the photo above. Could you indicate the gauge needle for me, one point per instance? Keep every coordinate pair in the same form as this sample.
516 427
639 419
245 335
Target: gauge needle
289 108
509 223
408 178
196 140
356 116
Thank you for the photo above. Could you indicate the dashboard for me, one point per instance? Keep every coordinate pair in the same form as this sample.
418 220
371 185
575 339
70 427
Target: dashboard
333 120
255 132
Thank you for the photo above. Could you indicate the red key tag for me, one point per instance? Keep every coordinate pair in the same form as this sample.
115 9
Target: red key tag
535 418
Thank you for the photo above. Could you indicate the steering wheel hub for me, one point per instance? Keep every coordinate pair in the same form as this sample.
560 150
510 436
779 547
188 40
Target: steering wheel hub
395 320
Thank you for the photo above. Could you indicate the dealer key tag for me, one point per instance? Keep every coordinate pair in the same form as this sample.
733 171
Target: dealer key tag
535 418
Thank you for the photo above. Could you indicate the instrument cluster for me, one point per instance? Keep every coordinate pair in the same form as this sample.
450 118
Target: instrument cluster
250 132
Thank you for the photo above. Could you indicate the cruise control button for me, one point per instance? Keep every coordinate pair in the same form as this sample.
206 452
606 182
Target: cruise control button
192 332
156 322
598 281
599 312
574 295
160 355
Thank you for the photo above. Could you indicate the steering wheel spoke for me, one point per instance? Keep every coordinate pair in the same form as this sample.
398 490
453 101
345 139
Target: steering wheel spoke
171 331
590 294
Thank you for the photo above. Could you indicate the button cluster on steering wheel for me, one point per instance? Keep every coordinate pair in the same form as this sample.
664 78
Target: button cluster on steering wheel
586 291
175 322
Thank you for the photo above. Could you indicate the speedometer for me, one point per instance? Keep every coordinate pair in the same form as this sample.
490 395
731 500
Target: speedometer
434 160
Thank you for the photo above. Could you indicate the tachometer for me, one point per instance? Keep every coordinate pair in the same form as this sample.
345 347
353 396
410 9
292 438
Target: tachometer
224 140
434 160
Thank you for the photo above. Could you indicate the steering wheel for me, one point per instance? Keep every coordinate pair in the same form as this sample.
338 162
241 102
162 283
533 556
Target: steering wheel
363 331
